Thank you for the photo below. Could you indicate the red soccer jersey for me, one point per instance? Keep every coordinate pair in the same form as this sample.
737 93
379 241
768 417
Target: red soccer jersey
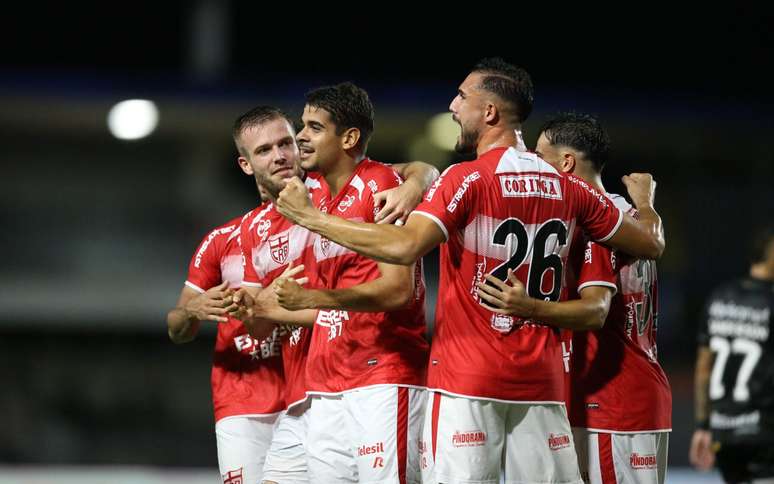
352 349
616 382
505 209
247 376
269 244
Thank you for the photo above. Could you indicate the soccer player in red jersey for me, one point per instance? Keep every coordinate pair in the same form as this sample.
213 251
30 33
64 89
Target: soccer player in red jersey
367 341
367 360
619 400
247 374
497 383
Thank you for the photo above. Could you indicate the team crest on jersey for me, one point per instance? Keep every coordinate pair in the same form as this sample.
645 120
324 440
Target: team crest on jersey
279 248
346 203
324 244
502 323
233 477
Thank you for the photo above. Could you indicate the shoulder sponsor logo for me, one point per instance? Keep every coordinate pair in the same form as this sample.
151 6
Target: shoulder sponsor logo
461 191
279 248
638 461
531 186
436 184
601 198
373 186
560 441
209 240
470 438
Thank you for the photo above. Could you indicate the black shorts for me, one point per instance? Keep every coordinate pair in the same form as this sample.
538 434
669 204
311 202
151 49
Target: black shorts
740 463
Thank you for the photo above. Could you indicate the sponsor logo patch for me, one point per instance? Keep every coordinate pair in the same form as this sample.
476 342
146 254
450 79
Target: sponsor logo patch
560 441
377 448
461 191
472 438
530 186
638 461
502 322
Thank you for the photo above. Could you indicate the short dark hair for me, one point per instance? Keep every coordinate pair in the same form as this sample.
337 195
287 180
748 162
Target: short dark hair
581 132
510 83
762 238
255 117
348 106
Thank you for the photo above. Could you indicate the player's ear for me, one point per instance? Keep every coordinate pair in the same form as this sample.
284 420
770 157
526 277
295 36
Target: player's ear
491 113
350 138
245 165
569 162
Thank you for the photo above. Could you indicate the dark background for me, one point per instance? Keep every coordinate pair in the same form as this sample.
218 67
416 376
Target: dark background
96 233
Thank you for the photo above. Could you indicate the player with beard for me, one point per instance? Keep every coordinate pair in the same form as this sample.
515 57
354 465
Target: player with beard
497 381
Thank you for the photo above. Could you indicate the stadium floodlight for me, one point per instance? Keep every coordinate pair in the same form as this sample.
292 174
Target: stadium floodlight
133 119
443 131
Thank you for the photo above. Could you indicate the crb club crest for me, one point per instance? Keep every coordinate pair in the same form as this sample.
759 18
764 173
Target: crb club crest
279 248
324 244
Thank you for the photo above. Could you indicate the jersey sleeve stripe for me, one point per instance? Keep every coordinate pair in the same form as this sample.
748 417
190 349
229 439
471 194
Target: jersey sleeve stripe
434 219
615 229
194 287
599 283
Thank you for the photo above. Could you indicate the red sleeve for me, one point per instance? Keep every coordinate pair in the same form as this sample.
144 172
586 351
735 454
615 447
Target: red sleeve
247 242
204 268
598 267
598 216
448 202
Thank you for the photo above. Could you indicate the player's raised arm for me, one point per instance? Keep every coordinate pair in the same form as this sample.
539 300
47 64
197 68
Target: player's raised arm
386 243
643 237
397 203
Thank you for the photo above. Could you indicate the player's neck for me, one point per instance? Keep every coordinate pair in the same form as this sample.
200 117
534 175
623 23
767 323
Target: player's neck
339 172
496 137
591 177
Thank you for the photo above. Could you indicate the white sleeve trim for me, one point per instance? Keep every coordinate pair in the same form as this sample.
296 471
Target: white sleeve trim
194 287
434 219
615 229
252 284
598 283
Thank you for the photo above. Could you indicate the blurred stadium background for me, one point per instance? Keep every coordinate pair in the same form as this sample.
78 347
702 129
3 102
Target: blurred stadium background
97 231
